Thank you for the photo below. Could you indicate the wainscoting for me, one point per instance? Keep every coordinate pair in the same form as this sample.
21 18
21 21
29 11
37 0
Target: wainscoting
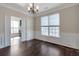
65 39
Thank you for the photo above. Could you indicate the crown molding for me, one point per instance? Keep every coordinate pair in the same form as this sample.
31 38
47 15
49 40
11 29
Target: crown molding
12 8
64 5
16 9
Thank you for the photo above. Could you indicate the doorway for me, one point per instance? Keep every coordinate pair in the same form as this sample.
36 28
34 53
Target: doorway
15 30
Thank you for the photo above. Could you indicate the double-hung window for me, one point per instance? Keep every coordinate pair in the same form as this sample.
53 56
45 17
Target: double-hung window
44 25
50 25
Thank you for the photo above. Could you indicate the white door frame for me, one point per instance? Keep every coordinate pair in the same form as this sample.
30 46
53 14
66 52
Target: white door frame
8 30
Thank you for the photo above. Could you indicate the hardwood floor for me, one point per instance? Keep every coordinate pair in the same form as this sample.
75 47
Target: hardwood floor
38 48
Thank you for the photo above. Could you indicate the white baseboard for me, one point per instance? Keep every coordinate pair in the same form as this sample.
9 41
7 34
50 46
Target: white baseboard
66 39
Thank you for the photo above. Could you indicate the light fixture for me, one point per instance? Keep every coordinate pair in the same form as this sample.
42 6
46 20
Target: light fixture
32 9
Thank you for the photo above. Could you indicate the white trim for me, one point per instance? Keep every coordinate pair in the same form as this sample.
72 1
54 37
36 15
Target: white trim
12 8
66 39
23 29
2 40
7 31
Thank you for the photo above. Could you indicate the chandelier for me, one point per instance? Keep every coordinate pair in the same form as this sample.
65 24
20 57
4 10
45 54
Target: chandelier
32 9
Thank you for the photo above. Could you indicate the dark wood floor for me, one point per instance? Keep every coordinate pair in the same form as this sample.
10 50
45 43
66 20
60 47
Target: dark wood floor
38 48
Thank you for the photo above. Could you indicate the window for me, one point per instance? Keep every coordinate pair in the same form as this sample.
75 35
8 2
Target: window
50 25
44 30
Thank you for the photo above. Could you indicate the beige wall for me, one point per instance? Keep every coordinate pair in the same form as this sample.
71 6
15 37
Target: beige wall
69 20
37 23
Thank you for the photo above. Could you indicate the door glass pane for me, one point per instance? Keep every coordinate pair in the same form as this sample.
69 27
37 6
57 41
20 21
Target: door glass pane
15 26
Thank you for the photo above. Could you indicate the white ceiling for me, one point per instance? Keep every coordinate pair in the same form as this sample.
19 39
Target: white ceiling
42 6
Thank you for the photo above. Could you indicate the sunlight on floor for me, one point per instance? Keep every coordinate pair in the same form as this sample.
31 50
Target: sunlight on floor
15 41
